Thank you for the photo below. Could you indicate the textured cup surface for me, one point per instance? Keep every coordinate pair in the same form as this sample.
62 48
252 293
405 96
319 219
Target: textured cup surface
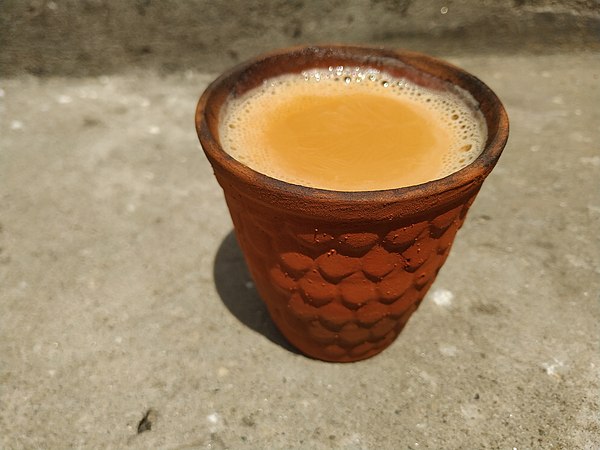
341 272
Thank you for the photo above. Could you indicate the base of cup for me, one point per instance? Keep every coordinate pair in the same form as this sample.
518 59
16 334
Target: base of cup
335 353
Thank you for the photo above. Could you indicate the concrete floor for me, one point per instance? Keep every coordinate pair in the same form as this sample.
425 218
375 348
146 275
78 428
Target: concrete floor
122 289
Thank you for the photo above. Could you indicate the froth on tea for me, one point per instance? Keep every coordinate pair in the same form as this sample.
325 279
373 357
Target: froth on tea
352 130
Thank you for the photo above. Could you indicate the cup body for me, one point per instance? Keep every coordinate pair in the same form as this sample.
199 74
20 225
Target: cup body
342 272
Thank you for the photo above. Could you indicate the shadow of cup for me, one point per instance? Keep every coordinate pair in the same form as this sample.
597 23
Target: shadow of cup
238 293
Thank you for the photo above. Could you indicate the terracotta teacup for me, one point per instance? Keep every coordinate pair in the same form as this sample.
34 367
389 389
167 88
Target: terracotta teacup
342 272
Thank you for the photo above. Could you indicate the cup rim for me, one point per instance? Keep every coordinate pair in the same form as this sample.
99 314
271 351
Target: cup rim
217 93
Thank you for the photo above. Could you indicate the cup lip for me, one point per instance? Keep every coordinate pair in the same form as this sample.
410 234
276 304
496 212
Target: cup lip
223 86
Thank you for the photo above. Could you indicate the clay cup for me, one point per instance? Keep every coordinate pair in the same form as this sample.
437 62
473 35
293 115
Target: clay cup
342 272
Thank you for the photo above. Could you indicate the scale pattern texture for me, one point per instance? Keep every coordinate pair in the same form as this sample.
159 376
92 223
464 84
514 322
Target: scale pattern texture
343 292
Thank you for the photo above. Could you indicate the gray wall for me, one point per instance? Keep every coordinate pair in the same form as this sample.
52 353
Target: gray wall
72 37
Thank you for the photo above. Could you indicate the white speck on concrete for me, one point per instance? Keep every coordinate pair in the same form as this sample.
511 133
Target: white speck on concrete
444 10
578 112
593 209
535 148
223 371
351 441
16 125
558 100
145 103
590 160
214 422
64 99
154 130
579 137
552 368
118 339
180 192
88 94
1 93
429 380
249 285
448 350
131 207
469 411
546 74
23 284
149 175
52 6
442 297
51 372
577 261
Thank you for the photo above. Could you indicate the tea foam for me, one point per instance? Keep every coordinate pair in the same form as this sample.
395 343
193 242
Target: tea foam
246 118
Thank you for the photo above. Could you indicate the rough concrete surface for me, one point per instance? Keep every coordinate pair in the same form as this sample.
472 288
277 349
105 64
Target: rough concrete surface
128 320
90 37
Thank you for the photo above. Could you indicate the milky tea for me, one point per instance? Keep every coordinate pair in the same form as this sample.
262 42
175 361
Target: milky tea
352 130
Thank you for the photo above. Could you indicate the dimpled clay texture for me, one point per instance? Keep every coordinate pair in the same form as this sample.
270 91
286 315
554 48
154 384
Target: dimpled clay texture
343 292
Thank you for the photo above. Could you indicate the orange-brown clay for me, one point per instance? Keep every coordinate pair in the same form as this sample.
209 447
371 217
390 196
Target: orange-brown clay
341 272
